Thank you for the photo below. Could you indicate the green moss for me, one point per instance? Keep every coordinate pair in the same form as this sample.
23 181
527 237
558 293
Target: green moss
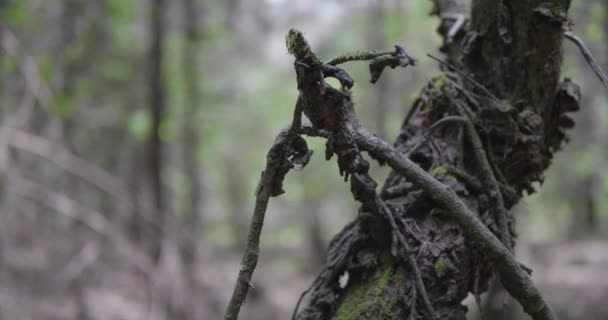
368 298
440 171
441 79
554 11
438 82
356 301
355 56
535 303
440 266
296 43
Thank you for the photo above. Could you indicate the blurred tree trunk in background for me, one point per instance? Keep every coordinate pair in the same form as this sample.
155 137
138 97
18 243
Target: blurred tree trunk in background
156 101
581 190
318 245
191 143
231 11
71 10
377 40
192 222
64 107
590 207
237 195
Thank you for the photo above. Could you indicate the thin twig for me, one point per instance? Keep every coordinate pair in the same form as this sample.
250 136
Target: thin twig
277 156
357 56
487 174
303 294
409 259
468 179
413 301
31 72
466 76
588 57
476 289
431 130
410 115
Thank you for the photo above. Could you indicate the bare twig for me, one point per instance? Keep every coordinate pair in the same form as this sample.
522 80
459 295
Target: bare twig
468 179
487 174
410 115
431 130
277 165
466 76
409 259
588 57
414 300
38 87
302 295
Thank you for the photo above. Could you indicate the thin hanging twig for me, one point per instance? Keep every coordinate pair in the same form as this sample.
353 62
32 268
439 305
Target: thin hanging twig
588 57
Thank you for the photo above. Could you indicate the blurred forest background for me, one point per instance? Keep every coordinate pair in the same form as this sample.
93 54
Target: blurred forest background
132 134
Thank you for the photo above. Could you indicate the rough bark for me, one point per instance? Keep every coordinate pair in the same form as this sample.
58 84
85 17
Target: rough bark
513 48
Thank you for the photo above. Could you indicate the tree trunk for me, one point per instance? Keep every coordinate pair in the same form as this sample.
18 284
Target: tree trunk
191 134
156 96
191 225
513 48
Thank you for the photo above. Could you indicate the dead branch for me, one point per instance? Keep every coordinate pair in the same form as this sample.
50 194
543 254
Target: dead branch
487 174
38 87
599 72
288 151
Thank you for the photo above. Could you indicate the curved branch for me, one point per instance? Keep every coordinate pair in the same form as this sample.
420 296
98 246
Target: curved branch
588 57
514 278
280 159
